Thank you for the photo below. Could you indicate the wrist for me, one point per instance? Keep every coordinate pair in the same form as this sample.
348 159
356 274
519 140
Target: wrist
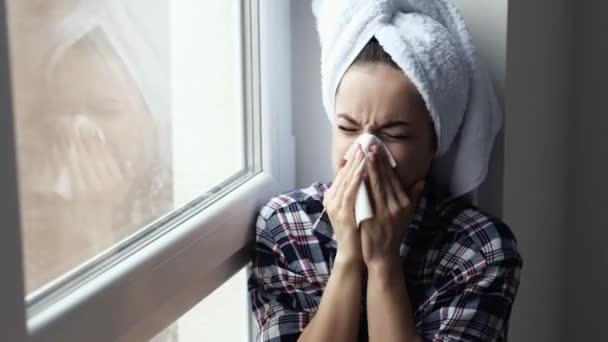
348 267
385 268
348 258
349 249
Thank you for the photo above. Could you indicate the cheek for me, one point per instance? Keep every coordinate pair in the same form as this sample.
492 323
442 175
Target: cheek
340 145
413 163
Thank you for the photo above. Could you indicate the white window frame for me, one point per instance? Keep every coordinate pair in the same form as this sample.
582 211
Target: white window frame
144 293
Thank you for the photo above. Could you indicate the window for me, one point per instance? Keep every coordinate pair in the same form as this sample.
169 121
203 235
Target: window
120 125
145 135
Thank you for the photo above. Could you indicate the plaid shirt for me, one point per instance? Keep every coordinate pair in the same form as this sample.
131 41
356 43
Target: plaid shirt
461 268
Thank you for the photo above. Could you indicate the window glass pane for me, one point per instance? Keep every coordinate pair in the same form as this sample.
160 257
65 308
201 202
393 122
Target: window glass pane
125 111
221 316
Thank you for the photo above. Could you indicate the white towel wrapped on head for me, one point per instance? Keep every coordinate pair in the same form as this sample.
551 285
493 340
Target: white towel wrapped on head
430 43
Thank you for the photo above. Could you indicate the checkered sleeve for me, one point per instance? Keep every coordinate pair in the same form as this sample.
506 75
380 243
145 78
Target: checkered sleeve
283 299
475 303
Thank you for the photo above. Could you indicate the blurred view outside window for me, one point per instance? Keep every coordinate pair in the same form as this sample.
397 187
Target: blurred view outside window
124 111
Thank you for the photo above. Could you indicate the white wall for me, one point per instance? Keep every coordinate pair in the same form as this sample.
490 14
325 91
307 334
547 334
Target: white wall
587 252
535 201
311 127
529 63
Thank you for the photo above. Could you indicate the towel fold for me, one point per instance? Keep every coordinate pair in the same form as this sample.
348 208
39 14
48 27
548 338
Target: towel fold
430 43
363 207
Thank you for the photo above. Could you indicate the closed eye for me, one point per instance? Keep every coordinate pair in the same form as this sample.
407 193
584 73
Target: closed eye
351 130
389 136
397 137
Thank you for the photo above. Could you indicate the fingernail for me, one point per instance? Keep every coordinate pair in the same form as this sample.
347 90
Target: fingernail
360 167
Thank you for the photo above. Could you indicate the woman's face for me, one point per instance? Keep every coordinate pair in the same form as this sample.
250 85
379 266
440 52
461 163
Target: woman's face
97 108
379 99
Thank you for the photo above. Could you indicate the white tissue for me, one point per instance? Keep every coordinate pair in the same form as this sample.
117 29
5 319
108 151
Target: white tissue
363 207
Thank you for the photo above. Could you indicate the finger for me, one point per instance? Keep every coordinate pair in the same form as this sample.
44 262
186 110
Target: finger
352 189
386 172
346 163
350 154
358 160
387 192
344 167
401 196
375 185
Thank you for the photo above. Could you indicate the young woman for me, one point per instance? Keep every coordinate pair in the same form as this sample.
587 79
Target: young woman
428 265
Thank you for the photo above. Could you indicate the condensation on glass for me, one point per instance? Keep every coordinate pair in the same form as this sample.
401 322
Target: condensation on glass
124 112
93 126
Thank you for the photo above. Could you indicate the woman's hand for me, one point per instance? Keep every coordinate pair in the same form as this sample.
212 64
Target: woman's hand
393 211
339 201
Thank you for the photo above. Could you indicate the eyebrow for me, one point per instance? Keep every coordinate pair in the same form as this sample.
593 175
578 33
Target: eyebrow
385 126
